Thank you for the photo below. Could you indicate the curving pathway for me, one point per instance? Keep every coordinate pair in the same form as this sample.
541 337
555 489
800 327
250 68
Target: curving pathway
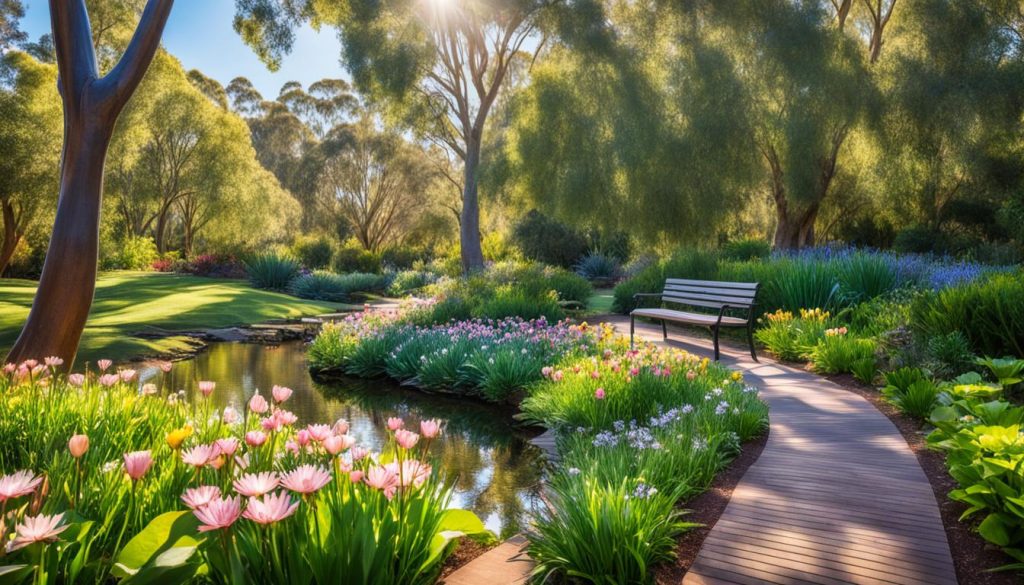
836 496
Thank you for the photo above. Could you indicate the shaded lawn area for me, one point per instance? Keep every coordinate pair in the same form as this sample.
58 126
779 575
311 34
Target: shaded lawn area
127 303
601 301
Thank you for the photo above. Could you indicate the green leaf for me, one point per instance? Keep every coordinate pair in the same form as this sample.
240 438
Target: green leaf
166 531
462 521
994 530
174 565
14 574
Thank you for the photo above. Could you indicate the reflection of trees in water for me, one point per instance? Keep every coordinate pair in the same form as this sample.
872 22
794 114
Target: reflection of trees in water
492 465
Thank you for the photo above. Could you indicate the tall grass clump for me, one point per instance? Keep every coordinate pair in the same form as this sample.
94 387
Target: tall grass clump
865 276
271 271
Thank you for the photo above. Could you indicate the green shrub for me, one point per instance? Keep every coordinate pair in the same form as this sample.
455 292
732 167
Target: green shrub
546 240
747 249
988 312
320 286
838 353
314 253
408 281
865 370
950 354
401 257
790 337
686 263
353 258
796 283
917 400
509 302
865 276
136 253
271 271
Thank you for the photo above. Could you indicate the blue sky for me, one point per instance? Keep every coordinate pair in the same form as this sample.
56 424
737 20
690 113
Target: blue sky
199 33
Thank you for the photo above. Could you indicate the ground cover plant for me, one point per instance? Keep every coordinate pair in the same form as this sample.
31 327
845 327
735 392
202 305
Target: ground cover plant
113 482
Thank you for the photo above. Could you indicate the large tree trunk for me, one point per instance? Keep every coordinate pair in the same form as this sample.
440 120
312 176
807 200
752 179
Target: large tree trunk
91 107
795 230
469 226
12 235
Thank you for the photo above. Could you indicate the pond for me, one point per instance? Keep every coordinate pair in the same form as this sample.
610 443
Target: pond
496 471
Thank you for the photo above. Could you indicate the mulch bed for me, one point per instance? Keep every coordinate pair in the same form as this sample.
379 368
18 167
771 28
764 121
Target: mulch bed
467 550
972 556
706 509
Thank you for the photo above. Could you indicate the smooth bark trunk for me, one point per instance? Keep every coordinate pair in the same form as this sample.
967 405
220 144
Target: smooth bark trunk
469 226
11 236
91 107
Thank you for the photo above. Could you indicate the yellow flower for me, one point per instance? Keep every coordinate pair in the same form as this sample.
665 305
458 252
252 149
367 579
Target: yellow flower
737 376
176 437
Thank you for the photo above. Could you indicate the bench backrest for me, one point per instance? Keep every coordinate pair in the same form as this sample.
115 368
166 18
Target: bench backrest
710 293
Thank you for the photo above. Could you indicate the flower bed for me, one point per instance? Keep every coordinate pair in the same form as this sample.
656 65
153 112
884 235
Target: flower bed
109 482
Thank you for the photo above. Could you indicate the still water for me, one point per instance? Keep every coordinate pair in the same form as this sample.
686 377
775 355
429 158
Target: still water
495 469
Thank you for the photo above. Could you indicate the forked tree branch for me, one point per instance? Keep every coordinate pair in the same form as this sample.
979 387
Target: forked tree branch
120 83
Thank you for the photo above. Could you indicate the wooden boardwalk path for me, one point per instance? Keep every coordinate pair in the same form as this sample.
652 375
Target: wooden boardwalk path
836 496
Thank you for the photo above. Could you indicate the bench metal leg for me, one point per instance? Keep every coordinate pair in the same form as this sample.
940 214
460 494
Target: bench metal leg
632 328
664 330
750 340
715 331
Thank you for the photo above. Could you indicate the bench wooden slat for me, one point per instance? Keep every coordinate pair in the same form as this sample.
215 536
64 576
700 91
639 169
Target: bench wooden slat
713 283
695 303
730 292
727 299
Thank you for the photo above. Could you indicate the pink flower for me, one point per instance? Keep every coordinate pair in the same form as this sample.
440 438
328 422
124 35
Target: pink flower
595 374
355 476
382 478
599 394
226 446
206 387
634 371
337 443
108 380
281 393
358 453
256 484
41 528
287 418
306 479
430 428
148 389
690 375
53 361
271 423
200 455
104 364
411 472
137 463
76 380
29 364
292 447
200 496
546 371
557 376
341 427
126 375
273 508
255 438
9 368
395 423
406 439
230 415
258 404
17 484
303 437
78 445
219 513
319 432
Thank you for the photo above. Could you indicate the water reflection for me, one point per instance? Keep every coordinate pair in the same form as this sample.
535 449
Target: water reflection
496 471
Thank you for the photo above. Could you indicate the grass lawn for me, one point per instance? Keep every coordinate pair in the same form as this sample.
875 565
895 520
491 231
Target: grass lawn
127 303
601 301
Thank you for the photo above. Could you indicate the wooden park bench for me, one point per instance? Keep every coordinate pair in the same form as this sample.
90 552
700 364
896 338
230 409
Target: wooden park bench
737 298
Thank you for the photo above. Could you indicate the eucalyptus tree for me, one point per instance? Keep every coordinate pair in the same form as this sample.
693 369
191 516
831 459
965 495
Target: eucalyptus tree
29 148
209 87
11 35
91 104
440 63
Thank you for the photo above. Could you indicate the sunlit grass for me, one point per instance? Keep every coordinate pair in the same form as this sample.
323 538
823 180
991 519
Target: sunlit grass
129 303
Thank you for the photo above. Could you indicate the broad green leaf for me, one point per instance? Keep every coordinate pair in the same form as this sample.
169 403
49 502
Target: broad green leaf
14 574
994 530
166 531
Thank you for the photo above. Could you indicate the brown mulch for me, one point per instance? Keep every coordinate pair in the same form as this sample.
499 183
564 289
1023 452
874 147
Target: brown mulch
466 550
972 556
706 509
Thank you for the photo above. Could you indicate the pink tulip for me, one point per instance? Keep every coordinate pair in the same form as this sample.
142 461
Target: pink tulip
319 432
634 371
219 513
230 415
126 375
256 484
200 496
17 484
557 376
292 447
287 418
258 404
137 463
430 428
226 446
207 387
406 439
303 437
599 394
76 380
337 443
355 476
273 508
29 364
281 393
306 479
9 368
78 445
411 472
382 478
358 453
34 529
108 380
104 364
53 361
395 423
255 438
546 371
341 427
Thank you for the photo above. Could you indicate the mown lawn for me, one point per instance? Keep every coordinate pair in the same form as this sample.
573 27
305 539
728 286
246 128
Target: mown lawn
127 303
601 301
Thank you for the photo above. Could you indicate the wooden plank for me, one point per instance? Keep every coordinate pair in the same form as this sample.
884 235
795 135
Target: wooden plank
710 290
740 302
719 283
